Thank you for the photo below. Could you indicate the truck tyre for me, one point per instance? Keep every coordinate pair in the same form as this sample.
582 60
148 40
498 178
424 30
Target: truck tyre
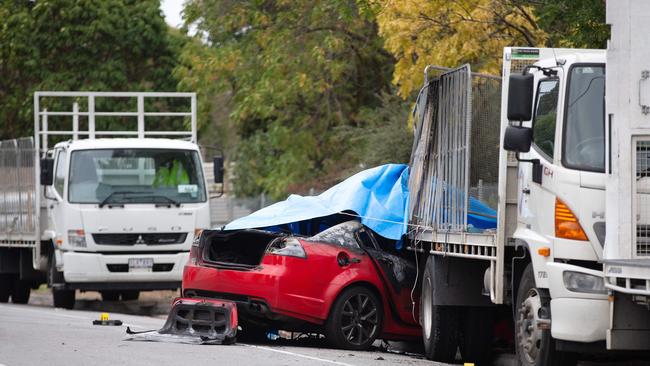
110 295
534 346
130 295
6 286
355 319
20 292
477 326
63 298
439 323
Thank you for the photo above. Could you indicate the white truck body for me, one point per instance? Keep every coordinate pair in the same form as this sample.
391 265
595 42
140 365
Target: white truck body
589 149
107 222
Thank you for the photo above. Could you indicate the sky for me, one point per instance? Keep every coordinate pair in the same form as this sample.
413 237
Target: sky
172 10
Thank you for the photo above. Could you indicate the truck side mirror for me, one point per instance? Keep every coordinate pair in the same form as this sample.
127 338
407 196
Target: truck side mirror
217 167
47 171
520 97
517 139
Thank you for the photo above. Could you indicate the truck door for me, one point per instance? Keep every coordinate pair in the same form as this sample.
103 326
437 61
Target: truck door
536 196
55 205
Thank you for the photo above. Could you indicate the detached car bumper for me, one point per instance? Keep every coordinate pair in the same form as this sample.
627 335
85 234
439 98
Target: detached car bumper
81 268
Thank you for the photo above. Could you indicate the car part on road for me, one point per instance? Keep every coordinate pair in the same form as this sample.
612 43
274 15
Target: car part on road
355 320
110 295
195 321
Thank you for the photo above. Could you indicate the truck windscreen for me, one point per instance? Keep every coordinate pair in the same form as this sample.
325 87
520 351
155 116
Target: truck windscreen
119 176
584 135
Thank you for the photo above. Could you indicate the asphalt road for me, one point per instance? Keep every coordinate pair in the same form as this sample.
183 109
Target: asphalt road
37 335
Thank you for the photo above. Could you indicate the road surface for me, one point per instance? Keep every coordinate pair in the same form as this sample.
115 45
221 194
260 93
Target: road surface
36 335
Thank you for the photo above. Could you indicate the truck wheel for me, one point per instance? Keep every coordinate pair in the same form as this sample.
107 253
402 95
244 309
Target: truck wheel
355 319
535 347
63 298
6 285
439 323
130 295
20 292
477 334
110 295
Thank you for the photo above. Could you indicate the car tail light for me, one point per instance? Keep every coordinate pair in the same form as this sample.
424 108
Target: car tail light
195 248
289 247
567 225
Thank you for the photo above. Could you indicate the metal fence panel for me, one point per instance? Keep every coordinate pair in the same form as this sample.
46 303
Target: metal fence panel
18 203
456 148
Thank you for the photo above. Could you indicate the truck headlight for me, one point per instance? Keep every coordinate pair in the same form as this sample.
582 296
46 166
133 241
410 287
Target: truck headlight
289 247
582 282
77 238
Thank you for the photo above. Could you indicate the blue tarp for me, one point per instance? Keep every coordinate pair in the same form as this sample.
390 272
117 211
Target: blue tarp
379 196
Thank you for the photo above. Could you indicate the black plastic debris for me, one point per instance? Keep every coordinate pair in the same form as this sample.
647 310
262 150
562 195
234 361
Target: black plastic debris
194 321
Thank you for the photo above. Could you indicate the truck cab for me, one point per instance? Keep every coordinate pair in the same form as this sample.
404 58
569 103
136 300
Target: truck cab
122 214
561 192
107 195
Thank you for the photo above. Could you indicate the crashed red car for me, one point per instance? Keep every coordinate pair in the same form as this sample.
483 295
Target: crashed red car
346 282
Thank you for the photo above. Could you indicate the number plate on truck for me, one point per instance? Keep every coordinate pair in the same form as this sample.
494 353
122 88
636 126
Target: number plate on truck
140 264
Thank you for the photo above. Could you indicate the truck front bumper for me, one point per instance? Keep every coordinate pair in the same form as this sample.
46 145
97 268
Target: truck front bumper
81 270
576 316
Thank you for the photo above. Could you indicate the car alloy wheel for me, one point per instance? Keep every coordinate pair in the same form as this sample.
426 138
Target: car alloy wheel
355 319
359 319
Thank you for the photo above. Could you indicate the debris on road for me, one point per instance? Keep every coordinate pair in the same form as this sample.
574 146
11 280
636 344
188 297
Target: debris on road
194 321
104 320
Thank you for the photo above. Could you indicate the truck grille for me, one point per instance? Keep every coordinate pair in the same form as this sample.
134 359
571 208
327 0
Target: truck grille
147 239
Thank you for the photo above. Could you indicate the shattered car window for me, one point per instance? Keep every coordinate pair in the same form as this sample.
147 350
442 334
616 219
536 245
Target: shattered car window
341 234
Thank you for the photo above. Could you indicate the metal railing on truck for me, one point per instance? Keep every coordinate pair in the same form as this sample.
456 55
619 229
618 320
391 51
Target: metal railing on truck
455 159
18 195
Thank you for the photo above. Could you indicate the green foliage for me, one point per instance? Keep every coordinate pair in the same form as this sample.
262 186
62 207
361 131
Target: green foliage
573 23
100 45
296 71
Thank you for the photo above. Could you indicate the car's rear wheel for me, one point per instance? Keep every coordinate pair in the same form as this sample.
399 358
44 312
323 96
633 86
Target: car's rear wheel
355 319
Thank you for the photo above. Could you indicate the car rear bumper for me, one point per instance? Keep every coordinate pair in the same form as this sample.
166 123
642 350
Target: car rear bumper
261 292
88 268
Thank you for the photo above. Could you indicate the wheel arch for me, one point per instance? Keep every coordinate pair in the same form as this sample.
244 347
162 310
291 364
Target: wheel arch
366 284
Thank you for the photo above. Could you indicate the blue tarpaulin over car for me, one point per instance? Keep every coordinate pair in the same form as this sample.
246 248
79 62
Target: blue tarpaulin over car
378 196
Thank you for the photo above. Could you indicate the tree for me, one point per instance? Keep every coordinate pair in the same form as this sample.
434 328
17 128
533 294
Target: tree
294 72
100 45
452 32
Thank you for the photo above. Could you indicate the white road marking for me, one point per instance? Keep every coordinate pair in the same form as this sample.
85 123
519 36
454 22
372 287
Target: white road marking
297 355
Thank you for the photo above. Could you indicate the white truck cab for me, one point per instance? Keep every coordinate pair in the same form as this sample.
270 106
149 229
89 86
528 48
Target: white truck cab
109 210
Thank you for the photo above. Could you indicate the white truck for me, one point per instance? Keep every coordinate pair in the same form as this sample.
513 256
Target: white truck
571 162
108 208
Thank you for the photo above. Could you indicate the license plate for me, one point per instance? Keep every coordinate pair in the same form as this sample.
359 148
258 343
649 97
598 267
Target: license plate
140 264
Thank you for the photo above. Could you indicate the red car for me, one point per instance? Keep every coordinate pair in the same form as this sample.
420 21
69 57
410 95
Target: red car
345 282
